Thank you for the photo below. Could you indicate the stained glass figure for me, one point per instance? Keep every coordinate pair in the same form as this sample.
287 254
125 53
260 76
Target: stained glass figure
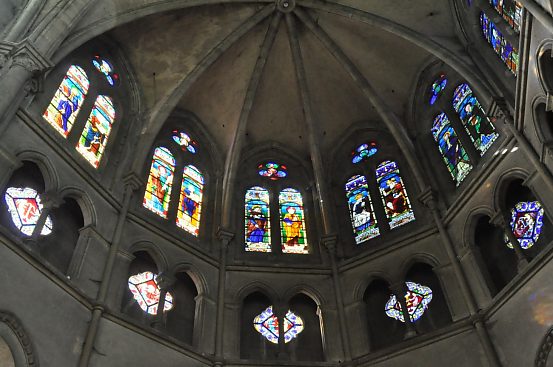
526 223
94 137
293 326
190 203
145 290
453 153
363 220
292 222
67 101
510 10
417 298
266 323
477 124
364 151
185 141
160 182
25 208
394 196
503 48
105 67
437 88
258 221
273 171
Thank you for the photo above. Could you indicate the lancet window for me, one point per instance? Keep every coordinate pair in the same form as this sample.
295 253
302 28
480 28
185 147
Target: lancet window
162 175
63 110
394 203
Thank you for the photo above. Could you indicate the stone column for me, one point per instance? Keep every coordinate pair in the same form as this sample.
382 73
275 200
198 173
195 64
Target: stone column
280 310
400 290
21 69
132 183
330 243
49 202
165 282
429 200
225 236
8 164
24 20
500 221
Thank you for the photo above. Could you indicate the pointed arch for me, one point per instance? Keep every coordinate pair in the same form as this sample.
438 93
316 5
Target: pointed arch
190 202
363 219
257 220
67 101
394 195
480 129
160 182
292 222
94 137
454 155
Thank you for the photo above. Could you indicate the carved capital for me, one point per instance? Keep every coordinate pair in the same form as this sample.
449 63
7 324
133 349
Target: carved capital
132 181
428 198
499 220
165 281
51 200
5 50
225 235
26 55
399 289
499 109
330 242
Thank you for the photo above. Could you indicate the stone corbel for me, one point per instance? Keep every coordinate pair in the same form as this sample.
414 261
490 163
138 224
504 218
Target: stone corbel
24 54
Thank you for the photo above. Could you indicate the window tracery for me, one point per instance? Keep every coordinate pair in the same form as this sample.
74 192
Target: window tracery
510 10
105 67
267 324
394 196
294 238
437 88
145 290
526 223
417 299
25 208
363 219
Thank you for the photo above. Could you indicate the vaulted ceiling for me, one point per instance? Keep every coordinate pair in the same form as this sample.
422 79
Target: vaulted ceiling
171 53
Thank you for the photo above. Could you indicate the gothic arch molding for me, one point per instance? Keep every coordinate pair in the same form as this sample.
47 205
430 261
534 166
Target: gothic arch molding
47 169
256 286
199 280
544 349
470 224
84 201
12 331
503 182
154 251
421 257
361 287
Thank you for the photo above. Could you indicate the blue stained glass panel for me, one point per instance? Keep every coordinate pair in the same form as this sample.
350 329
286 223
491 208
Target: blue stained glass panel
394 196
361 210
526 223
417 298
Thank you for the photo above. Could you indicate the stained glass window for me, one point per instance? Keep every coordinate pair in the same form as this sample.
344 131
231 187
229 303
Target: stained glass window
272 170
361 210
453 153
293 326
266 324
145 290
94 137
394 196
25 208
437 88
526 223
258 220
364 151
503 48
510 10
417 298
160 182
185 141
67 101
105 67
292 221
477 124
190 204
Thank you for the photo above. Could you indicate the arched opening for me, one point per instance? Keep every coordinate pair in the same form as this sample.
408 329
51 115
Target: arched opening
544 122
499 261
6 357
383 330
437 314
527 218
306 345
180 320
58 248
132 305
545 65
257 332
